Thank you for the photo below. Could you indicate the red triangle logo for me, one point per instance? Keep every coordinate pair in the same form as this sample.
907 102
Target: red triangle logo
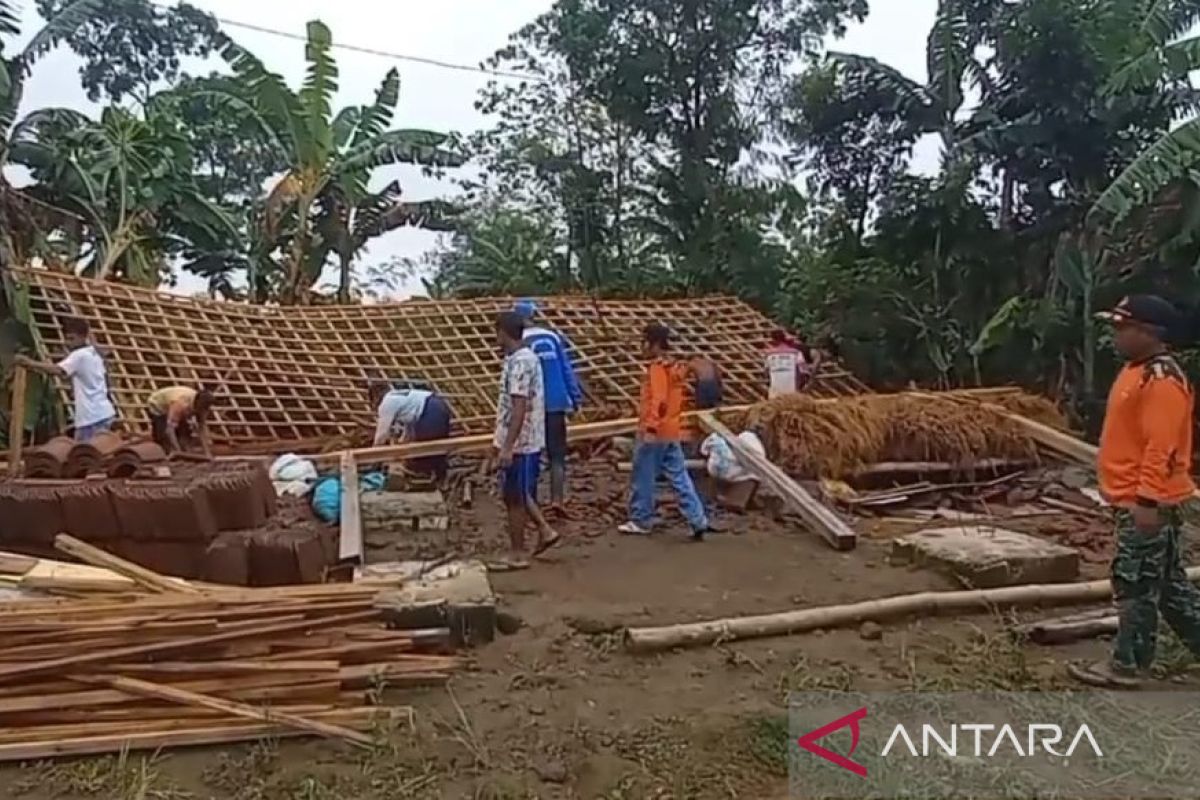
809 742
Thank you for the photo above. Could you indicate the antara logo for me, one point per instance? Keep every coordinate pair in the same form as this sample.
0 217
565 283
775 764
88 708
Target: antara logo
988 740
809 742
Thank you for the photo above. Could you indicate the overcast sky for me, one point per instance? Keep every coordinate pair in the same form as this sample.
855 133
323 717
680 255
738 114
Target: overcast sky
459 31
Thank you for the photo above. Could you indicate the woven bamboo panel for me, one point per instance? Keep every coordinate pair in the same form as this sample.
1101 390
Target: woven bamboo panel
296 377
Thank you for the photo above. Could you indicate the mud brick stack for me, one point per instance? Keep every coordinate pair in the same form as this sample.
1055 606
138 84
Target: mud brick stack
220 524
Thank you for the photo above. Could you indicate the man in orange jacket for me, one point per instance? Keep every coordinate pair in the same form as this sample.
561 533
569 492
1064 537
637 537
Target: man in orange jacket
658 449
1145 466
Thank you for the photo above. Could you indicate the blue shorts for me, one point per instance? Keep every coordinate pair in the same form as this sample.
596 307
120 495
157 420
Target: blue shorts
519 480
89 432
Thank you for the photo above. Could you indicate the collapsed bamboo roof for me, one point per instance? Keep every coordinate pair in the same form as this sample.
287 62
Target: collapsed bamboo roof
296 377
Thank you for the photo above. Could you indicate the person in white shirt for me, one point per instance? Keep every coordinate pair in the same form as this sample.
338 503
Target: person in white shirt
412 415
788 371
84 367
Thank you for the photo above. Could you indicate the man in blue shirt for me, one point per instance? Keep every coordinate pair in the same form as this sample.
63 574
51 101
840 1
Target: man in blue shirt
563 396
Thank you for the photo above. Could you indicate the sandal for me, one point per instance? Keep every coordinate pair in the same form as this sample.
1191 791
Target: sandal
1102 675
545 544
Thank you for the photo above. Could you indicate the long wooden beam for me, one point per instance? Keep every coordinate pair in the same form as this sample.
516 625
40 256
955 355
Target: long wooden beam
481 443
814 513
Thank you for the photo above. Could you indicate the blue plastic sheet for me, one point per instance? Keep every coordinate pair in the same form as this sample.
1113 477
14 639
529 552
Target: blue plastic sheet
327 494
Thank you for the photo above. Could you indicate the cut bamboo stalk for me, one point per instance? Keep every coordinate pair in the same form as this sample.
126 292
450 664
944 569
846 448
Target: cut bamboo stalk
135 686
146 578
825 522
647 640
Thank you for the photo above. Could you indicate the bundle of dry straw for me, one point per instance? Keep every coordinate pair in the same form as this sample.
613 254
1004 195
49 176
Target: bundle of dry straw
834 439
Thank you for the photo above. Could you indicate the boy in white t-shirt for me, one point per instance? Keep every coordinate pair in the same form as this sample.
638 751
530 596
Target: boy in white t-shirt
84 366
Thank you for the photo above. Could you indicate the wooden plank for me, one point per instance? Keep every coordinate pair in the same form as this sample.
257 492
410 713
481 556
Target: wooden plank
350 538
191 737
183 697
16 420
15 672
814 513
146 578
240 687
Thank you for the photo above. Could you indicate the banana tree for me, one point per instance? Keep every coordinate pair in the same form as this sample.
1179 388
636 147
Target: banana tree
330 158
21 217
1160 62
930 107
127 179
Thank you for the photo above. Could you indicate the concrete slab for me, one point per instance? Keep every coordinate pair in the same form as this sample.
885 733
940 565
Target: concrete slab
457 596
985 557
386 515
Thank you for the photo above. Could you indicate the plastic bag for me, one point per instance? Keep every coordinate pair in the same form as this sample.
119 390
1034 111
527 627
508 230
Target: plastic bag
327 494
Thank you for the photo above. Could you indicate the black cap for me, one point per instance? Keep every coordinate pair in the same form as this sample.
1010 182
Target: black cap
657 333
1146 309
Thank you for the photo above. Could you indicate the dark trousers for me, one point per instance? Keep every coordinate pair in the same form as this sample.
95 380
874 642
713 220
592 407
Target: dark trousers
434 423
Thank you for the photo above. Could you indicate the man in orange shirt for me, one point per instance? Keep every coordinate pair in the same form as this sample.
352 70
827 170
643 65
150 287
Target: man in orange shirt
658 449
1144 464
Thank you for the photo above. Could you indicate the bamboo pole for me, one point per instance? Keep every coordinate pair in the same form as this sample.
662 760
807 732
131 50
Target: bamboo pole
483 442
16 421
649 640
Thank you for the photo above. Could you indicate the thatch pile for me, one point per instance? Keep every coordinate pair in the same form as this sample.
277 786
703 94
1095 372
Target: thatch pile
834 439
1034 407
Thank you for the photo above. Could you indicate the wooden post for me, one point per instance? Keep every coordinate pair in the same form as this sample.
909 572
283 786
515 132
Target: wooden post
16 421
350 540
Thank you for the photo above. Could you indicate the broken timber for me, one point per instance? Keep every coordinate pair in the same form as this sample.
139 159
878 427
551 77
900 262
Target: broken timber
814 513
350 539
667 637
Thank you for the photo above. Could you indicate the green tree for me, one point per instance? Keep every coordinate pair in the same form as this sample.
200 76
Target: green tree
127 180
21 219
329 160
136 46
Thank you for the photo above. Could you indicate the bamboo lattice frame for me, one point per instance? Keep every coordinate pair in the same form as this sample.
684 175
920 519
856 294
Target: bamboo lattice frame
296 377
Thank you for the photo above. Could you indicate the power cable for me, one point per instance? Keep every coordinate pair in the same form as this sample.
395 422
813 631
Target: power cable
371 51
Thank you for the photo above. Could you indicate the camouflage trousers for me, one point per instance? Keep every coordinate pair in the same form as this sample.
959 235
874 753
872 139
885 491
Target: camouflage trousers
1148 577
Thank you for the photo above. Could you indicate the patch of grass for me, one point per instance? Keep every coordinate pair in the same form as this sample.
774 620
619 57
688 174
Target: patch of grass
806 676
768 741
121 777
980 661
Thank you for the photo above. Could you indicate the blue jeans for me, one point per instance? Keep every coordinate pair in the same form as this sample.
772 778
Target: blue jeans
651 460
89 432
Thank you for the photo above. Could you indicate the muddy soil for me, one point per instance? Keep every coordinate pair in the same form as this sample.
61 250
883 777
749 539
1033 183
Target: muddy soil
559 710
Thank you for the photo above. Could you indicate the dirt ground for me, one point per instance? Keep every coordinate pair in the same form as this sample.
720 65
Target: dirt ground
559 710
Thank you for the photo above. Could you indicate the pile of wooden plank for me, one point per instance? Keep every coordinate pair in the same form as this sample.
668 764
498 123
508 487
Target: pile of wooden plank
183 664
